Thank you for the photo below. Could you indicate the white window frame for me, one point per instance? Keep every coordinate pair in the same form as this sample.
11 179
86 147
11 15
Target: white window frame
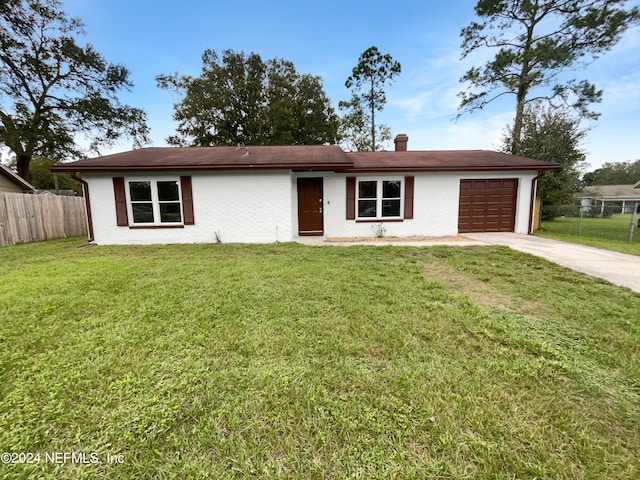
155 201
379 200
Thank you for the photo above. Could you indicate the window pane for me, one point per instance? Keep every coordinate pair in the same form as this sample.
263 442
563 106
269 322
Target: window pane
142 212
391 189
170 212
168 191
366 208
140 191
391 208
367 189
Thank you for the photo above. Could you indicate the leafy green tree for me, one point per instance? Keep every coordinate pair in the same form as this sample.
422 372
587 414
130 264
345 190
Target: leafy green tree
367 82
355 124
241 99
614 173
552 135
52 88
537 41
43 179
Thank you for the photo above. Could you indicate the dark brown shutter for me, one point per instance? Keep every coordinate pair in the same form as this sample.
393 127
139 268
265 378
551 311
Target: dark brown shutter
351 198
187 200
408 197
122 219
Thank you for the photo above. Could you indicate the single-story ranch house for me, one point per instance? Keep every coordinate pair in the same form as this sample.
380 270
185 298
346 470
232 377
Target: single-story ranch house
624 196
264 194
13 183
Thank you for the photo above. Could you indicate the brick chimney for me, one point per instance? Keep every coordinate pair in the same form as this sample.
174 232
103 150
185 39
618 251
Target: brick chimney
401 141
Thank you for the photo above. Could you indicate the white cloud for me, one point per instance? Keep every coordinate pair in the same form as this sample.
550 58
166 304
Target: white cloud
621 94
414 106
468 133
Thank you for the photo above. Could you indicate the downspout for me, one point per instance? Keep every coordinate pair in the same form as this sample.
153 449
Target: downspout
532 203
87 201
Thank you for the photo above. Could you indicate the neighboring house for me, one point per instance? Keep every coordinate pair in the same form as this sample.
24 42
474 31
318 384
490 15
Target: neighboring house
12 182
263 194
622 196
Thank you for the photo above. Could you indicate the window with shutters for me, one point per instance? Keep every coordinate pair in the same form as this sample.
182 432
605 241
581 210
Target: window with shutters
154 202
380 198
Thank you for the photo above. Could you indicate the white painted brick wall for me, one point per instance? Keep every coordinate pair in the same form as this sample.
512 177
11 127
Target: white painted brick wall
435 211
246 207
261 207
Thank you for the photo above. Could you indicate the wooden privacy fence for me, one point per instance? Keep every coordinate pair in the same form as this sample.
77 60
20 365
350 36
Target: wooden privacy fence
34 218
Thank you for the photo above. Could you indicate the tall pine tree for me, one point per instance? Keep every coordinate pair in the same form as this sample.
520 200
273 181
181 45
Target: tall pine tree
536 42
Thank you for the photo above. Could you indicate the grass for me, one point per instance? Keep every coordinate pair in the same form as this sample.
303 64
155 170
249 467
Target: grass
610 233
290 361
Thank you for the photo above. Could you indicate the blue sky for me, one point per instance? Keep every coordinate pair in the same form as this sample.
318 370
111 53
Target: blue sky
152 37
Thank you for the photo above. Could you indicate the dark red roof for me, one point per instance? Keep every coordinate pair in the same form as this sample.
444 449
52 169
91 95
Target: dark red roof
444 160
294 157
302 157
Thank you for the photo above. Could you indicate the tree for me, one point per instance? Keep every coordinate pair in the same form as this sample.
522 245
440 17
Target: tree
537 41
355 130
614 173
241 99
369 77
552 135
52 89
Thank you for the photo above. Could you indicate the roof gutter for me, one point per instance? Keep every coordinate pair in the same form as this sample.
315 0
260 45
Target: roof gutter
184 168
447 168
87 202
335 167
532 202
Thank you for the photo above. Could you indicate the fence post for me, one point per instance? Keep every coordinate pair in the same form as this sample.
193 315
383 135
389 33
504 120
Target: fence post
580 224
633 222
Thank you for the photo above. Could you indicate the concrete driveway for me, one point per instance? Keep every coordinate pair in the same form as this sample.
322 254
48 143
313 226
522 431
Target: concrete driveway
618 268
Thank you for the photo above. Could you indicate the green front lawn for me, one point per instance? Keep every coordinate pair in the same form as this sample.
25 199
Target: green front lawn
289 361
611 233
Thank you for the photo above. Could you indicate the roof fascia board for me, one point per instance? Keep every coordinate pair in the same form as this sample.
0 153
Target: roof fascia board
340 168
449 169
175 168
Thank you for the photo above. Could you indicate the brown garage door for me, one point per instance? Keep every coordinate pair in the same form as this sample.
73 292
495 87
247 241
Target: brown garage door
487 205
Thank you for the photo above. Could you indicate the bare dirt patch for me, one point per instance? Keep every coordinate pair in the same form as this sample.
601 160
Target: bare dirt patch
465 285
478 291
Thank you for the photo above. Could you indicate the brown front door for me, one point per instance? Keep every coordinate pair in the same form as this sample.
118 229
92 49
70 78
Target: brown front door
310 206
487 205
